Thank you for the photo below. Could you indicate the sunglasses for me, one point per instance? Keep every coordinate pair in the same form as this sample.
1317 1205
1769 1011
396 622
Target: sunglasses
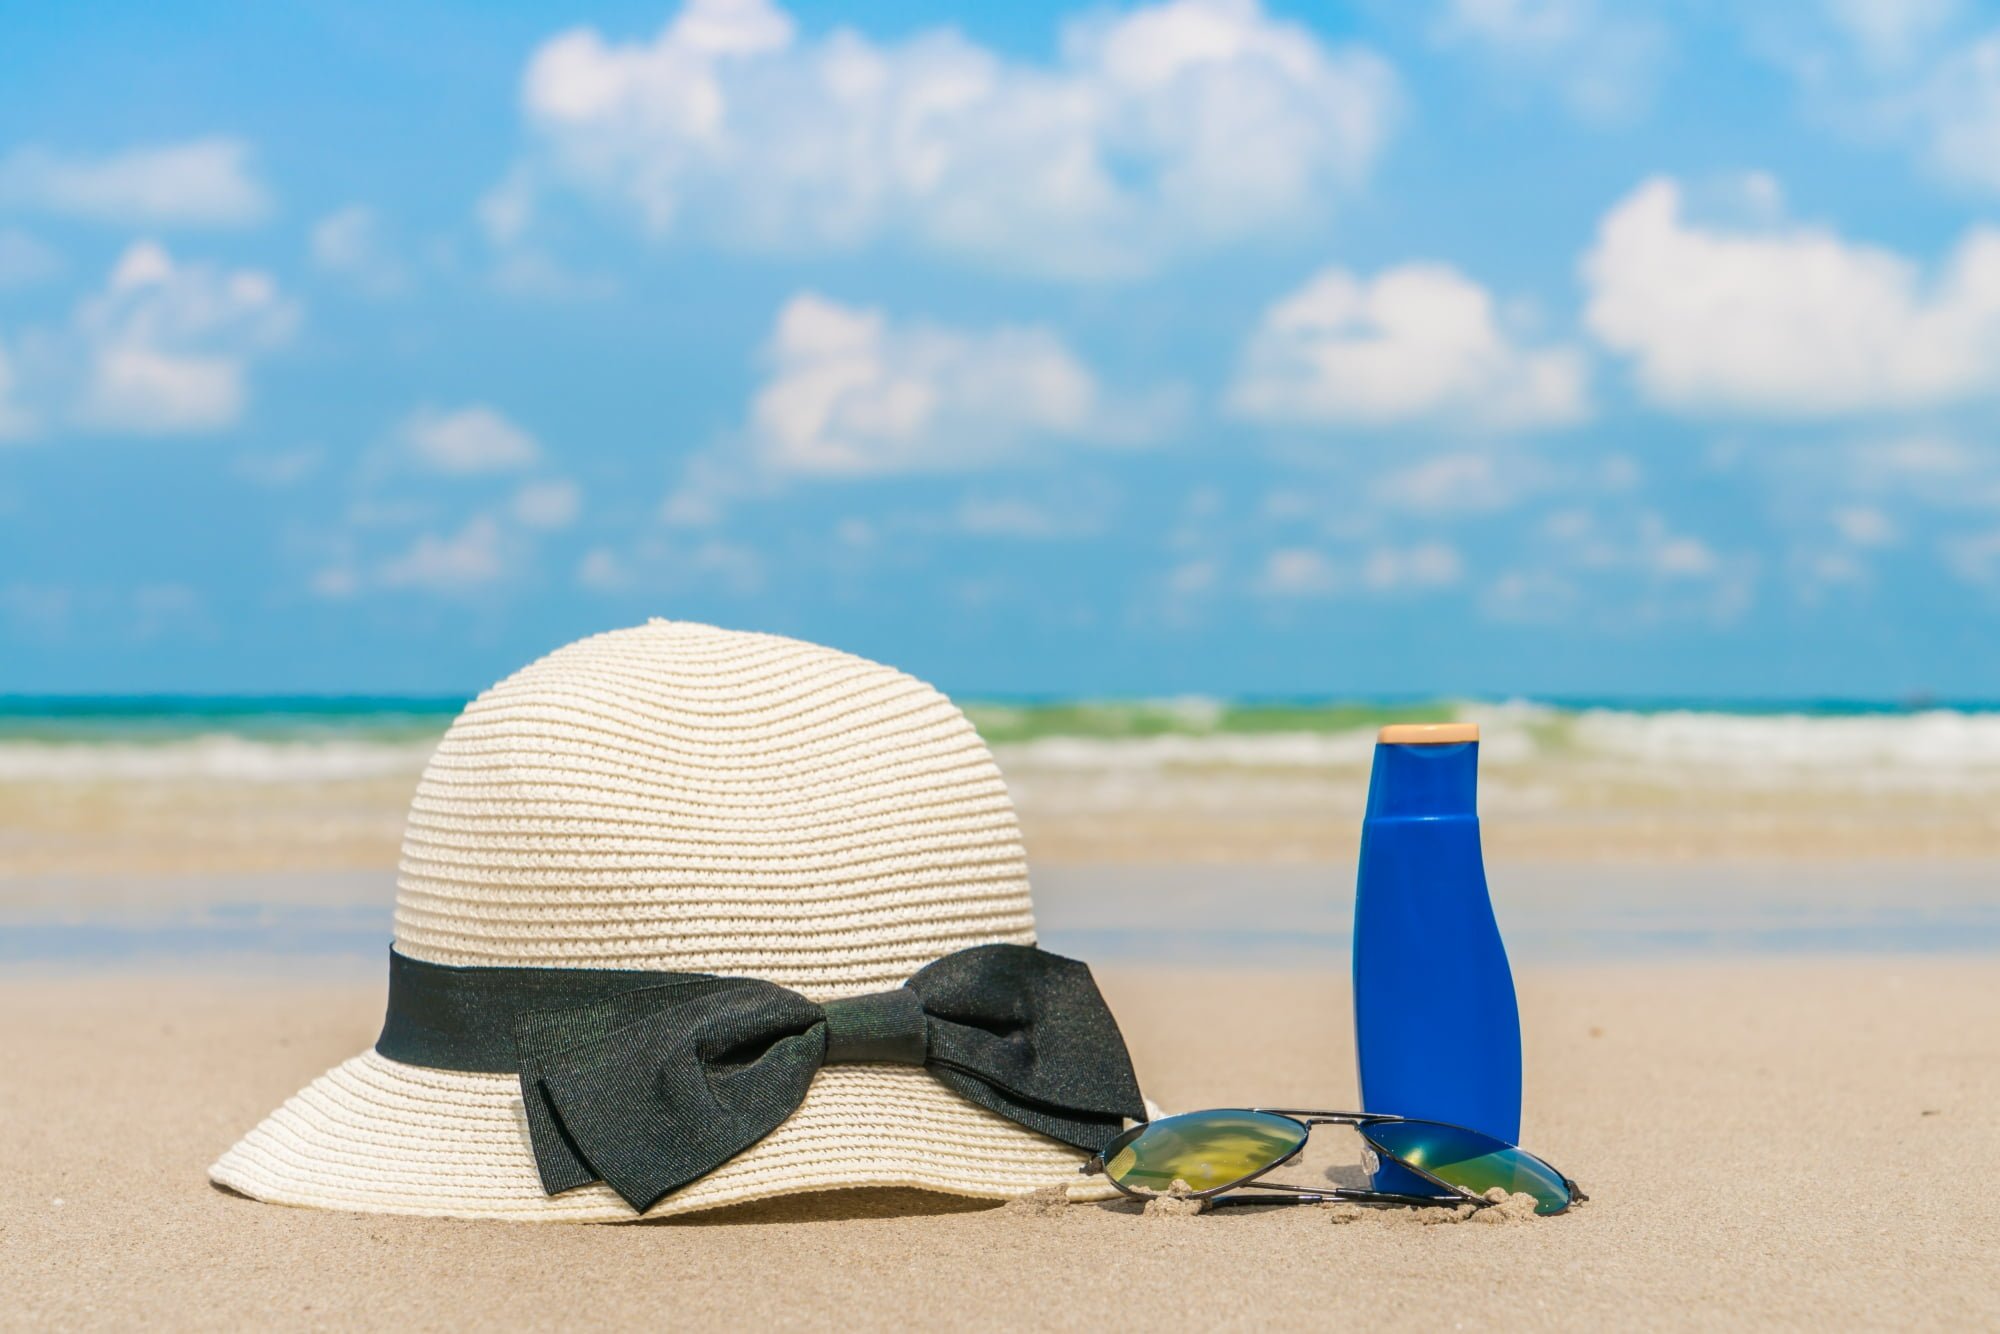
1226 1150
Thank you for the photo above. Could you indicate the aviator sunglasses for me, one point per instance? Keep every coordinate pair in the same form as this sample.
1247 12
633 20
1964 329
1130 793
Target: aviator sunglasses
1227 1150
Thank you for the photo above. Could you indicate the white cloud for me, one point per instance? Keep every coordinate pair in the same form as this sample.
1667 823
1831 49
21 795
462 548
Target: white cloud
1957 107
201 183
853 393
1463 482
278 469
553 503
167 345
1307 572
472 439
1423 565
1644 542
1296 572
603 571
473 556
1974 558
335 582
1788 320
992 516
350 244
1890 33
1604 64
1923 74
1192 578
15 421
1682 557
1418 342
1627 568
25 260
1156 131
1865 526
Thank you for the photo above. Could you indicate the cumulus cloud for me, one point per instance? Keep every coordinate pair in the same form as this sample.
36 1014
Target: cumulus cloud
467 440
201 183
1628 567
166 346
1924 74
1307 572
1788 320
1160 130
1028 520
1460 482
349 243
552 503
1417 342
25 260
1294 572
14 419
1604 63
1864 525
603 570
1957 107
1973 557
1423 565
1890 33
851 392
449 563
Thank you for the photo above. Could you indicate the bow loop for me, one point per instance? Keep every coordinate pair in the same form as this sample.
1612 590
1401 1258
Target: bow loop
1027 1034
651 1089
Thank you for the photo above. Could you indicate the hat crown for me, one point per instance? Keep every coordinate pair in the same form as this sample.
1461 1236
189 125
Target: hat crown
690 799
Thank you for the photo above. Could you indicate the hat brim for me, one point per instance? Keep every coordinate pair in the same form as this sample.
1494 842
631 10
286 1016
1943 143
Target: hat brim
373 1135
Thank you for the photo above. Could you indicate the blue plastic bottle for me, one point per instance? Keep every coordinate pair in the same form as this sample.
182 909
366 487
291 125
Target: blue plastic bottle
1435 1022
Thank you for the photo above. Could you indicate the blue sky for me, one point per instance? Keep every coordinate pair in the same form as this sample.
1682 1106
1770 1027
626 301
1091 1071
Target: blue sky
1488 345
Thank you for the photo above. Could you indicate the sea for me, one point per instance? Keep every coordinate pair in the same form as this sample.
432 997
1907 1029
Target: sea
1912 759
320 738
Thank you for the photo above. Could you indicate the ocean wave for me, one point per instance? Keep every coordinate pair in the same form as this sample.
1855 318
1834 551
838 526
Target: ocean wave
214 757
1937 739
1943 748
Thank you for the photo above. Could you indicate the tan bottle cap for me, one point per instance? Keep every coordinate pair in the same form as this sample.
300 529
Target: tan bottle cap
1428 734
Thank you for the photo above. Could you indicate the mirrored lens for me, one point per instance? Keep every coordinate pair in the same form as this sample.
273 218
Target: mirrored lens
1471 1161
1208 1150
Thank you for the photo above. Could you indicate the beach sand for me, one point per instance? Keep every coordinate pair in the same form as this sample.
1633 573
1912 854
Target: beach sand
1778 1143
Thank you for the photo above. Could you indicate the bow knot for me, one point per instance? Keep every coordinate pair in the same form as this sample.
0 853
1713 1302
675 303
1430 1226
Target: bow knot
656 1086
887 1026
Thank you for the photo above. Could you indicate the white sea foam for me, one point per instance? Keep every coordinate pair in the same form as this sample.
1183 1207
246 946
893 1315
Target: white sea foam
215 757
1937 749
1936 740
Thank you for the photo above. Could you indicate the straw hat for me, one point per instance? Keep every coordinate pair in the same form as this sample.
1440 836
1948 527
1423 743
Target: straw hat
681 798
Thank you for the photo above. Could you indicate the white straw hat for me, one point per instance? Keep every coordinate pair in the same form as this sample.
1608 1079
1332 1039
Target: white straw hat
681 798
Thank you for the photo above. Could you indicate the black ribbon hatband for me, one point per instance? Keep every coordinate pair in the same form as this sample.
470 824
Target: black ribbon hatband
648 1081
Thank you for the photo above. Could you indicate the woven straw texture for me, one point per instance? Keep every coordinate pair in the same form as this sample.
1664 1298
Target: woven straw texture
687 799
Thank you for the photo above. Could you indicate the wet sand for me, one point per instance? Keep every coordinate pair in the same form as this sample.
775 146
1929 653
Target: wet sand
1775 1143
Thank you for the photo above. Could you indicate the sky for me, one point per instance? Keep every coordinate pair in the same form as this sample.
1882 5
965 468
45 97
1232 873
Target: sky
1493 347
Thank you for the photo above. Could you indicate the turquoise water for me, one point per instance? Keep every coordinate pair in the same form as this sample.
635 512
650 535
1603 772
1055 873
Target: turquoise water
88 718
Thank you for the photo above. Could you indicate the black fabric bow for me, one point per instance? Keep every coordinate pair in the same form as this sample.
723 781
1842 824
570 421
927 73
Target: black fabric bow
659 1079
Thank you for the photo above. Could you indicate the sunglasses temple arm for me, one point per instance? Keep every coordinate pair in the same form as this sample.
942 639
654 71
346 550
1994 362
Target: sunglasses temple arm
1309 1195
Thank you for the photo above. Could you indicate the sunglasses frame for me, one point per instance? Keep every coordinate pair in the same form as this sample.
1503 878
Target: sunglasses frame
1306 1120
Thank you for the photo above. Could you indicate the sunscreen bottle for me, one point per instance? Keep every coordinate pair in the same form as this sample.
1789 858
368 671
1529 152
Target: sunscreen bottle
1436 1026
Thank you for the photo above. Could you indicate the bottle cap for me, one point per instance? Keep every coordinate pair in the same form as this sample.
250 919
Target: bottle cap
1428 734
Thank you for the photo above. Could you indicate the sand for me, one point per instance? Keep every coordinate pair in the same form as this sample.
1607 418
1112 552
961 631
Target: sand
1767 1143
